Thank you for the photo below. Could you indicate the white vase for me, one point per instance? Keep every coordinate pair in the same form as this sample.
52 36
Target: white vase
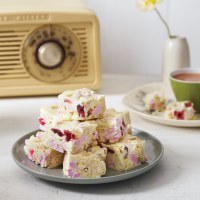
176 56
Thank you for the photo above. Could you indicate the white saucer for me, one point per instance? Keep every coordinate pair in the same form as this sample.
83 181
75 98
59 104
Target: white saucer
134 101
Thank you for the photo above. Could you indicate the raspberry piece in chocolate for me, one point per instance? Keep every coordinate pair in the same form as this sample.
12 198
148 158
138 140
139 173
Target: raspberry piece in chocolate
69 135
80 110
31 152
188 104
179 114
41 121
67 101
57 131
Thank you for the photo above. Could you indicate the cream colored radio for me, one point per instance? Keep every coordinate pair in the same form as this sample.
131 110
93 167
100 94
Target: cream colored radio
47 47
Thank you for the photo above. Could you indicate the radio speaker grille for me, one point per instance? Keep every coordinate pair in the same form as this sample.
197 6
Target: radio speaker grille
82 35
10 58
11 64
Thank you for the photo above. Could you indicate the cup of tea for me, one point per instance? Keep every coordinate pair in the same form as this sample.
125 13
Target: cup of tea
186 85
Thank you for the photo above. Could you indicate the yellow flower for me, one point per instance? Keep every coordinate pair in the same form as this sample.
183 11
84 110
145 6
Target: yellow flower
147 5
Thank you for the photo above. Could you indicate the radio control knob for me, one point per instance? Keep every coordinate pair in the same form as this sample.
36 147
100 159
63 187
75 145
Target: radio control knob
50 54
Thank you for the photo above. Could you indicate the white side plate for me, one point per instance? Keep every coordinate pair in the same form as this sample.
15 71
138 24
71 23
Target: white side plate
134 101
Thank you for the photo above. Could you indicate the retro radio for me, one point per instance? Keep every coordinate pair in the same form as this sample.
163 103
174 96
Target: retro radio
47 47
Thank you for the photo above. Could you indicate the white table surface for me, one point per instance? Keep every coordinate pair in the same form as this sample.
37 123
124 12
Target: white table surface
177 176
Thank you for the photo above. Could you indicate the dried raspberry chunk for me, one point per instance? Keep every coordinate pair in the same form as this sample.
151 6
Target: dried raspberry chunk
80 110
179 114
69 135
41 121
188 104
57 131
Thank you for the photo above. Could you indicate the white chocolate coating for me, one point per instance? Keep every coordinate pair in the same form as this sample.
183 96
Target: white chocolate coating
40 154
70 136
82 104
180 111
85 164
126 154
113 126
154 101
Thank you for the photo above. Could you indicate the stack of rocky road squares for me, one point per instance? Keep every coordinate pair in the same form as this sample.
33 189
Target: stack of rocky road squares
84 137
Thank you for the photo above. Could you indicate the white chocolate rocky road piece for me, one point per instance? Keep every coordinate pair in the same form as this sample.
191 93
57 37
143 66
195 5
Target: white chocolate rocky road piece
48 116
70 136
180 111
113 126
154 101
82 104
40 154
85 164
111 112
126 154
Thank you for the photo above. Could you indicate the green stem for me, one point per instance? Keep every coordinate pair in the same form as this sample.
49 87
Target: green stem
165 23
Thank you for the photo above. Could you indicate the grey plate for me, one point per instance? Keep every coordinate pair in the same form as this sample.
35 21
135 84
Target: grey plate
153 151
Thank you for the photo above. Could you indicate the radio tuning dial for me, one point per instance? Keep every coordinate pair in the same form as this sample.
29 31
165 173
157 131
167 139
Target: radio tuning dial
50 54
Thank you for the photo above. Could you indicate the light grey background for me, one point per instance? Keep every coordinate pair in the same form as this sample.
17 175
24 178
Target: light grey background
132 41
